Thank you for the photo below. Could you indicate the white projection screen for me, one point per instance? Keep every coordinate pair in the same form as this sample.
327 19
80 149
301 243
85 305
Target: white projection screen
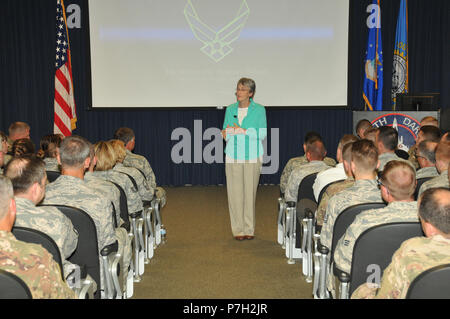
191 53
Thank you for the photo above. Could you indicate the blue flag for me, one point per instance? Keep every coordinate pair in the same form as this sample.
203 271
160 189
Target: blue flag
373 66
400 64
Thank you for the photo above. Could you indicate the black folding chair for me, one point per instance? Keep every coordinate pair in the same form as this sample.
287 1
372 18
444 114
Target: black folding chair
12 287
433 283
375 246
52 175
420 181
35 236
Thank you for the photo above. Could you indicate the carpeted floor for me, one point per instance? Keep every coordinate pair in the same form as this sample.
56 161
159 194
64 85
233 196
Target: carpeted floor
201 259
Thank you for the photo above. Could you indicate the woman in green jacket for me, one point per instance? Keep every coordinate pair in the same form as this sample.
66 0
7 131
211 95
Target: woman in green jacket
244 129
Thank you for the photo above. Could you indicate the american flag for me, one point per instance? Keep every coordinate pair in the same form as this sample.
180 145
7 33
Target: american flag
65 115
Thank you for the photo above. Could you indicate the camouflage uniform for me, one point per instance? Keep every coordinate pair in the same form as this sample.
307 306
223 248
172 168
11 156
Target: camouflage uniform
51 222
35 266
134 202
392 213
51 164
6 159
427 172
363 191
107 189
141 163
412 156
145 191
295 162
72 191
438 181
414 256
298 174
330 192
387 157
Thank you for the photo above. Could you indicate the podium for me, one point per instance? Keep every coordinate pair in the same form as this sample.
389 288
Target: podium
407 123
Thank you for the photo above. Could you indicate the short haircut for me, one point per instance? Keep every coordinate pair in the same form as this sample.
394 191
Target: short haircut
363 124
431 133
18 127
311 137
248 83
347 138
347 153
23 146
73 151
106 157
6 194
371 134
429 120
24 172
427 149
388 136
119 149
434 208
365 155
317 150
125 134
400 179
443 152
48 145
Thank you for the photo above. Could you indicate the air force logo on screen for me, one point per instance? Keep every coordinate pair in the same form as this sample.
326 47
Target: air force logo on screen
406 126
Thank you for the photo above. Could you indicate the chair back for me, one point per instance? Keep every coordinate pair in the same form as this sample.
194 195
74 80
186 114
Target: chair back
123 204
324 189
346 218
35 236
420 181
376 245
305 190
12 287
52 175
433 283
86 254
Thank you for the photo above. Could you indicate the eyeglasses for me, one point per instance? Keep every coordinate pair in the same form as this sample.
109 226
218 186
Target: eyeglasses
380 183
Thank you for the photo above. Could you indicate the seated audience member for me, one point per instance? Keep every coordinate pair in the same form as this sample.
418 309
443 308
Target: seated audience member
315 153
30 262
22 147
427 132
72 190
333 174
371 134
106 159
144 189
442 156
29 179
4 150
397 184
387 140
338 186
48 151
417 254
365 189
295 162
17 130
361 128
425 155
126 135
101 185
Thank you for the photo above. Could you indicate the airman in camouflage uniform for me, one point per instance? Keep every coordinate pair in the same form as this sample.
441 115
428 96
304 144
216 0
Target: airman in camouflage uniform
386 142
417 254
127 136
398 184
426 158
144 190
387 157
51 164
30 262
35 266
442 163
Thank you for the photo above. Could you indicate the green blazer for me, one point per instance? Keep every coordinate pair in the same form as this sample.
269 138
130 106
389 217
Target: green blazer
246 146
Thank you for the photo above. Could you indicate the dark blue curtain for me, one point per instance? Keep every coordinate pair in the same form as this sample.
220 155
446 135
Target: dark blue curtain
27 52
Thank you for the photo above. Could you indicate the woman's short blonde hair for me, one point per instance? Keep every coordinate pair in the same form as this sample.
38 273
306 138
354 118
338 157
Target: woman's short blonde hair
106 157
119 149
